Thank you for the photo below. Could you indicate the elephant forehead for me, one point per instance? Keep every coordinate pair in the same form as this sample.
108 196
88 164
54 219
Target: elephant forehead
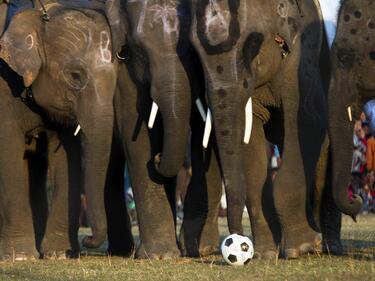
357 26
155 16
74 36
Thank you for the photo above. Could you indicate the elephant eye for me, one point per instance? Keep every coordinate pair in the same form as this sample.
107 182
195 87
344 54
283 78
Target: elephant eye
76 76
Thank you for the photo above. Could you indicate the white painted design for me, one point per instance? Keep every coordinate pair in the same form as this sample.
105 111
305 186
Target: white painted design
77 130
217 23
154 112
283 9
165 14
29 41
142 16
207 129
248 120
74 24
200 107
105 52
330 10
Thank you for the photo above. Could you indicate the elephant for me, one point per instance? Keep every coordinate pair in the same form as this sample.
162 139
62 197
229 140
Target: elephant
31 146
351 86
263 78
65 58
153 74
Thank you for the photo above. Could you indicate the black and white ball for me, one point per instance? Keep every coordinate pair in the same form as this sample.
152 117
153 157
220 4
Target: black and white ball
237 249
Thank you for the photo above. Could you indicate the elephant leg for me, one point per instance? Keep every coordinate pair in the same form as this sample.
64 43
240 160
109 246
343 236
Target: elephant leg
291 184
290 202
56 243
37 170
259 201
330 222
199 231
17 240
210 238
120 238
155 215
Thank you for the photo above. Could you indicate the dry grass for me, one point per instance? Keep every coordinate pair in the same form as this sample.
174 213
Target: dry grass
359 241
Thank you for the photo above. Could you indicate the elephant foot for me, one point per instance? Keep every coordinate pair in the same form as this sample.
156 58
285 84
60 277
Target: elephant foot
210 239
156 254
333 246
312 245
266 255
16 251
197 238
56 246
208 250
124 251
54 255
19 257
265 249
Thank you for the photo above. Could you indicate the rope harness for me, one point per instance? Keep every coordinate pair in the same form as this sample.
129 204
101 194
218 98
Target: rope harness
45 16
27 97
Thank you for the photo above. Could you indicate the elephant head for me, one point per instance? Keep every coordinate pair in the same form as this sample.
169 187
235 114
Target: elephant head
217 35
159 28
68 63
352 84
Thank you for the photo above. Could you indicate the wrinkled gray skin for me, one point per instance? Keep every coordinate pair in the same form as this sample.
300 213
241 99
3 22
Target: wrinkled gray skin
68 61
156 49
241 59
352 84
30 147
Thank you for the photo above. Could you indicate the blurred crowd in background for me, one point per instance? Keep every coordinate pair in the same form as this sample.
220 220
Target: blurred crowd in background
363 164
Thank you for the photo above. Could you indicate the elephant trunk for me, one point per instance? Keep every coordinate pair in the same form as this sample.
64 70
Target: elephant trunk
171 92
228 111
96 146
341 137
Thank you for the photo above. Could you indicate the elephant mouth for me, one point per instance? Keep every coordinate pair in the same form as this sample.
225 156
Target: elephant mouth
63 115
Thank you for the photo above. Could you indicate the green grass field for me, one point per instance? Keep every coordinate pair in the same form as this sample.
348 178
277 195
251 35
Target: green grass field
358 264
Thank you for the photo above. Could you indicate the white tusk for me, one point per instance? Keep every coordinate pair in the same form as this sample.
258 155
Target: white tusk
77 130
199 104
207 129
249 121
154 112
350 113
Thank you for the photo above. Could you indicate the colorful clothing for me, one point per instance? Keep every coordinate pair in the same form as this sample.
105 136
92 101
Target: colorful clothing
359 155
370 154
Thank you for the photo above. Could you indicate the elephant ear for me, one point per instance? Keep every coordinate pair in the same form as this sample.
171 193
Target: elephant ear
115 12
20 45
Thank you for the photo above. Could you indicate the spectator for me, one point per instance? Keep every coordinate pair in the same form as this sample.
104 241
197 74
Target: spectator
359 157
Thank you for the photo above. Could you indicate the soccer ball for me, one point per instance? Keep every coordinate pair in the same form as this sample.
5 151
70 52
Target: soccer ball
237 249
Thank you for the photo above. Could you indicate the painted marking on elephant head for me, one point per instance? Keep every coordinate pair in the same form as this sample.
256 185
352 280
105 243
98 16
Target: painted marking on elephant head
105 53
283 9
217 23
218 26
165 14
29 41
76 28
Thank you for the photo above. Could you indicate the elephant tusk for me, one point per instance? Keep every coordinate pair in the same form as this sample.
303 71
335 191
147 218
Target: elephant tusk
154 112
207 129
77 130
199 104
350 113
249 121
